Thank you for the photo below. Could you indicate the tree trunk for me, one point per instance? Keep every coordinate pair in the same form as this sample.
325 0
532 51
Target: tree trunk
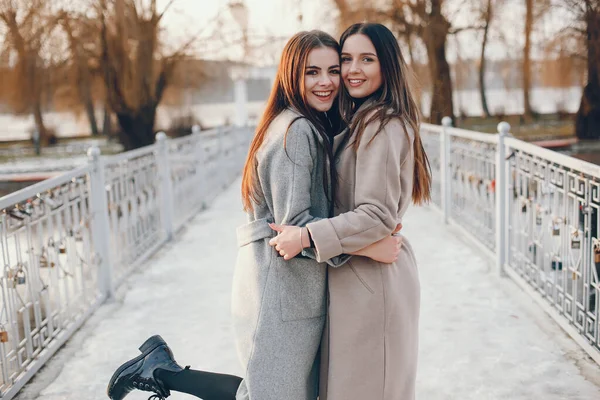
83 80
528 112
137 130
411 53
587 120
107 123
36 109
441 95
414 79
482 61
88 102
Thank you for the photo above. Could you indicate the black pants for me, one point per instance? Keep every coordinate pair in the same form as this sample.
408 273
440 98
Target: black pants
204 385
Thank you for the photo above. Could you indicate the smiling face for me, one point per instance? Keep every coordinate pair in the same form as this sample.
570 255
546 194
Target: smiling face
322 78
361 70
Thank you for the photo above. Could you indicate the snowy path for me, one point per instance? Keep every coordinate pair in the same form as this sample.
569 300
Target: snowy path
481 338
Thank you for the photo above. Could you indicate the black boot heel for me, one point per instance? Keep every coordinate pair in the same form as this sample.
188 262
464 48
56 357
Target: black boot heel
151 343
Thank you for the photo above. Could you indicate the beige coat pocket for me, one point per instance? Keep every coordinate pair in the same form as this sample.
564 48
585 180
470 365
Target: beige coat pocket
360 278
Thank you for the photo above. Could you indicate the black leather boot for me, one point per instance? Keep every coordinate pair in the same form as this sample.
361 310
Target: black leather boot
140 372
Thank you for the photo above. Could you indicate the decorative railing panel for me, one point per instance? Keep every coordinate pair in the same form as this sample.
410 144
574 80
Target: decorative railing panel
535 210
472 185
49 278
134 209
553 233
68 242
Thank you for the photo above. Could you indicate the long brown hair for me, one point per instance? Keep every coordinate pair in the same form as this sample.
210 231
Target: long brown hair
394 99
288 92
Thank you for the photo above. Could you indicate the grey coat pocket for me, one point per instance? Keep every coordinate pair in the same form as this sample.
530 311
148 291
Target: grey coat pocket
301 288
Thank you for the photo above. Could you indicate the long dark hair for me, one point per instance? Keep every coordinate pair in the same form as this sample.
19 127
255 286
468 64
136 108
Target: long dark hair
288 92
394 99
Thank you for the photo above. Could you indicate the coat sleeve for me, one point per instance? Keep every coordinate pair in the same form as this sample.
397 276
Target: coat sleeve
290 177
377 192
336 261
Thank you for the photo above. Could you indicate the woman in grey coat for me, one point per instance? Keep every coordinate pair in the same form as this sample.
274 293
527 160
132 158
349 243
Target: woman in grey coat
371 340
278 307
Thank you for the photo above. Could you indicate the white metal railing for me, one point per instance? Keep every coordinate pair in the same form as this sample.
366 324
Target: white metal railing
533 210
68 242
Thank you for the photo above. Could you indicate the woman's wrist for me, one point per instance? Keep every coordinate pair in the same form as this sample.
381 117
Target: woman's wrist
304 238
311 242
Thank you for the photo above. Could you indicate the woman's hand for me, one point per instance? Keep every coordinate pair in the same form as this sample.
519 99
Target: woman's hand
384 251
290 240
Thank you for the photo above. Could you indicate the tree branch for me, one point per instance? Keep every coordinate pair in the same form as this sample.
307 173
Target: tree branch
454 31
165 9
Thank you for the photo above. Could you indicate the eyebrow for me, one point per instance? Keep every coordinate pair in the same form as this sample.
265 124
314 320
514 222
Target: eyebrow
364 54
315 67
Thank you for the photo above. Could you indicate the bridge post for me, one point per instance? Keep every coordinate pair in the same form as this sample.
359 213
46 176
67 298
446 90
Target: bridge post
166 187
446 177
239 76
200 166
241 101
99 222
501 198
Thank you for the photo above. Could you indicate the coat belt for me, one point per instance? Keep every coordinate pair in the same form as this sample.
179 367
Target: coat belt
253 231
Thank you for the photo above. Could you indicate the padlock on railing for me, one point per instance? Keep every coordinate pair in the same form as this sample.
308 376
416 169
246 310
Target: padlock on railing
532 188
3 336
555 226
575 240
557 265
533 249
538 215
16 277
597 252
20 278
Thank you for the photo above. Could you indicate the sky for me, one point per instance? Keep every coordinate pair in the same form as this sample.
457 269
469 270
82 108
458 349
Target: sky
274 15
271 22
267 19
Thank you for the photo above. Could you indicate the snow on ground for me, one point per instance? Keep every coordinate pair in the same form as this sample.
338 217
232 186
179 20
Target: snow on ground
481 338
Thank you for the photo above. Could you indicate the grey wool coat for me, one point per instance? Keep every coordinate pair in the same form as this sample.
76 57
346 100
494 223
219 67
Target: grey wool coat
371 338
278 306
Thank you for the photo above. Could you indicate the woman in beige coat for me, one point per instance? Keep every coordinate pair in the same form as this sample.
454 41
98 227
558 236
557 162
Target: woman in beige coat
371 340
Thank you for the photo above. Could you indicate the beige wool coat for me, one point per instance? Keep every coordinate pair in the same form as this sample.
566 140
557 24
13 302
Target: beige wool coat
369 347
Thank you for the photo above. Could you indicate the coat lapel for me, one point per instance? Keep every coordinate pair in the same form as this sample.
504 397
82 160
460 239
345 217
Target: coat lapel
339 140
342 140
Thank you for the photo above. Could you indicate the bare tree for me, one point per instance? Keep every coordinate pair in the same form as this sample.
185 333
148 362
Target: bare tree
487 18
587 15
528 112
135 68
79 32
534 10
29 23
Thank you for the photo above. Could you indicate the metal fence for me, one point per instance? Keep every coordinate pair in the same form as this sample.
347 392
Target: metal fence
533 210
68 242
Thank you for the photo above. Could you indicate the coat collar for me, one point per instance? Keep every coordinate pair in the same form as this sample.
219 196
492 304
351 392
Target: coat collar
342 139
365 104
292 114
